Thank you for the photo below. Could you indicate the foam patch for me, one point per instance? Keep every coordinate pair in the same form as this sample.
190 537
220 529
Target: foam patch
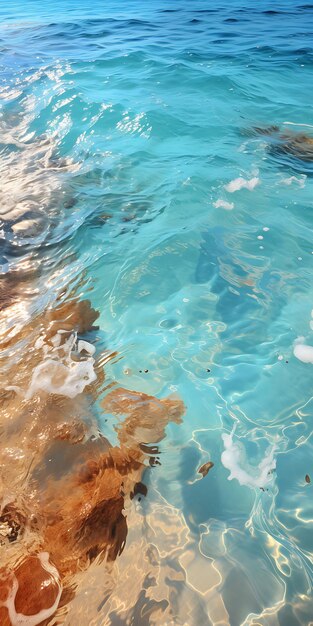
242 183
59 372
293 179
234 459
222 204
302 351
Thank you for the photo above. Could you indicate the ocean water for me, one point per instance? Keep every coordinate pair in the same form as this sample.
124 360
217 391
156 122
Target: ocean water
125 127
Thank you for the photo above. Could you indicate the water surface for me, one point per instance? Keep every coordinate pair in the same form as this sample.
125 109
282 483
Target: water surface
141 113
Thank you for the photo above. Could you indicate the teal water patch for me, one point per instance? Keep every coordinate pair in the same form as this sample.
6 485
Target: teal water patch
194 236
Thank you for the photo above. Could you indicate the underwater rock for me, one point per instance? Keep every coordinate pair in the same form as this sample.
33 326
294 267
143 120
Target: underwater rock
73 485
205 468
286 142
31 594
12 523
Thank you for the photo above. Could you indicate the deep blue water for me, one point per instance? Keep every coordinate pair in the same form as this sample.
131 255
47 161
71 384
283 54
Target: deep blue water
145 113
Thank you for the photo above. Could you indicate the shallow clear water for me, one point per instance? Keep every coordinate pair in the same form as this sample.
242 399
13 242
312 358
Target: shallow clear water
205 287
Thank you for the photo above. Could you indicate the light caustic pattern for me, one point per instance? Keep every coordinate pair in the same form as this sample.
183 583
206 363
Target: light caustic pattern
156 268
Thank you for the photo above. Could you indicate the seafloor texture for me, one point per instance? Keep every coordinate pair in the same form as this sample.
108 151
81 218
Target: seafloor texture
156 292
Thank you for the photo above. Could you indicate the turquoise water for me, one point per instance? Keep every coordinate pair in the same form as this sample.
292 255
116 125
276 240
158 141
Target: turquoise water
143 111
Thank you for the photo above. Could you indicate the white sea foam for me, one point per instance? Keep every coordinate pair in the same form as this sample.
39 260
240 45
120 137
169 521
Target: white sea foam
58 372
242 183
293 179
302 351
86 346
223 204
234 459
66 380
18 619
